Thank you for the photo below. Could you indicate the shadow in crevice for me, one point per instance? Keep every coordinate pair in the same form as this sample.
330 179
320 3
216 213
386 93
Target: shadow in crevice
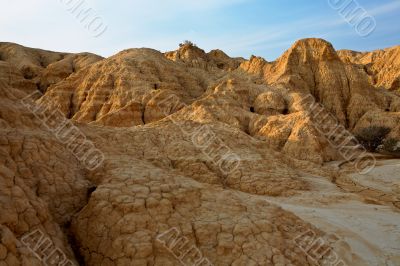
72 241
74 244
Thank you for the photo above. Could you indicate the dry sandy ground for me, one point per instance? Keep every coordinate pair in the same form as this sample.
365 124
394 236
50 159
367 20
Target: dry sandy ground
371 230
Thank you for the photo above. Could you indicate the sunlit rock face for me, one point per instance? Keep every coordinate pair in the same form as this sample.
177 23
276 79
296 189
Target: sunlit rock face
188 143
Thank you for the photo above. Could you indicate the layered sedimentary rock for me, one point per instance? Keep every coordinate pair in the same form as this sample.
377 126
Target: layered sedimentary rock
42 184
312 66
45 187
382 66
191 143
43 68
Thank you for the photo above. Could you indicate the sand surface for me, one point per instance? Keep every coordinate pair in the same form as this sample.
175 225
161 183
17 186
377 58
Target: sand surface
372 231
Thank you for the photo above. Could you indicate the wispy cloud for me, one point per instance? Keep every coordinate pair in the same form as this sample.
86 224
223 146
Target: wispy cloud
278 35
156 10
225 24
385 8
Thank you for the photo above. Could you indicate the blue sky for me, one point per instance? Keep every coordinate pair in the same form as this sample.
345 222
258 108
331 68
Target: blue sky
239 27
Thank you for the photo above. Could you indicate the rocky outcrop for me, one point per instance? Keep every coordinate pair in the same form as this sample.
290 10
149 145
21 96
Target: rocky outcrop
43 68
124 89
136 87
382 66
193 56
42 184
146 194
194 144
312 66
142 202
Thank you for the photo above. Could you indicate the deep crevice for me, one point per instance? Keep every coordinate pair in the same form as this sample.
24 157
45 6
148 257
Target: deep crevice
74 246
143 116
66 228
41 62
38 87
90 191
71 106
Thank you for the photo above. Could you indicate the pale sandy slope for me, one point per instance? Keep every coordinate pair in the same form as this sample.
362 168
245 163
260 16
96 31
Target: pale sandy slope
371 230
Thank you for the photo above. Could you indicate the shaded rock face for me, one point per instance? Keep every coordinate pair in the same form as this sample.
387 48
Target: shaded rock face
166 124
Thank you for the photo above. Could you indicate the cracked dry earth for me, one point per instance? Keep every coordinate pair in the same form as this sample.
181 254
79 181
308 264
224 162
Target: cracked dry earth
160 121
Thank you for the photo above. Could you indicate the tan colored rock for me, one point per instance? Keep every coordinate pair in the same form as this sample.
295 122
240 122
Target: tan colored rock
381 65
43 68
270 103
195 144
193 56
312 66
42 184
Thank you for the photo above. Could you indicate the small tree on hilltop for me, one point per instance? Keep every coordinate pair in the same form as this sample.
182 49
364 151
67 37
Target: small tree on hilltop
187 43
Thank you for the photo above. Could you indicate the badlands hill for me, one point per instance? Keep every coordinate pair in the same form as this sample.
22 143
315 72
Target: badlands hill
225 151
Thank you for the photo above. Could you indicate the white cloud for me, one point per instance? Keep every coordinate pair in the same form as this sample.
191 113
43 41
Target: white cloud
384 9
137 23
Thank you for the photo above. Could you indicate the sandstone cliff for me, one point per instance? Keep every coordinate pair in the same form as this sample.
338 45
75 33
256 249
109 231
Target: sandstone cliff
191 141
382 66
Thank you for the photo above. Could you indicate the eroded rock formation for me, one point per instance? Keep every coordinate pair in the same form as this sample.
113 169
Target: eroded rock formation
191 141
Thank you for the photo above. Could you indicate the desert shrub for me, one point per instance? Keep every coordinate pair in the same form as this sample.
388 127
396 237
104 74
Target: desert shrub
391 146
372 137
